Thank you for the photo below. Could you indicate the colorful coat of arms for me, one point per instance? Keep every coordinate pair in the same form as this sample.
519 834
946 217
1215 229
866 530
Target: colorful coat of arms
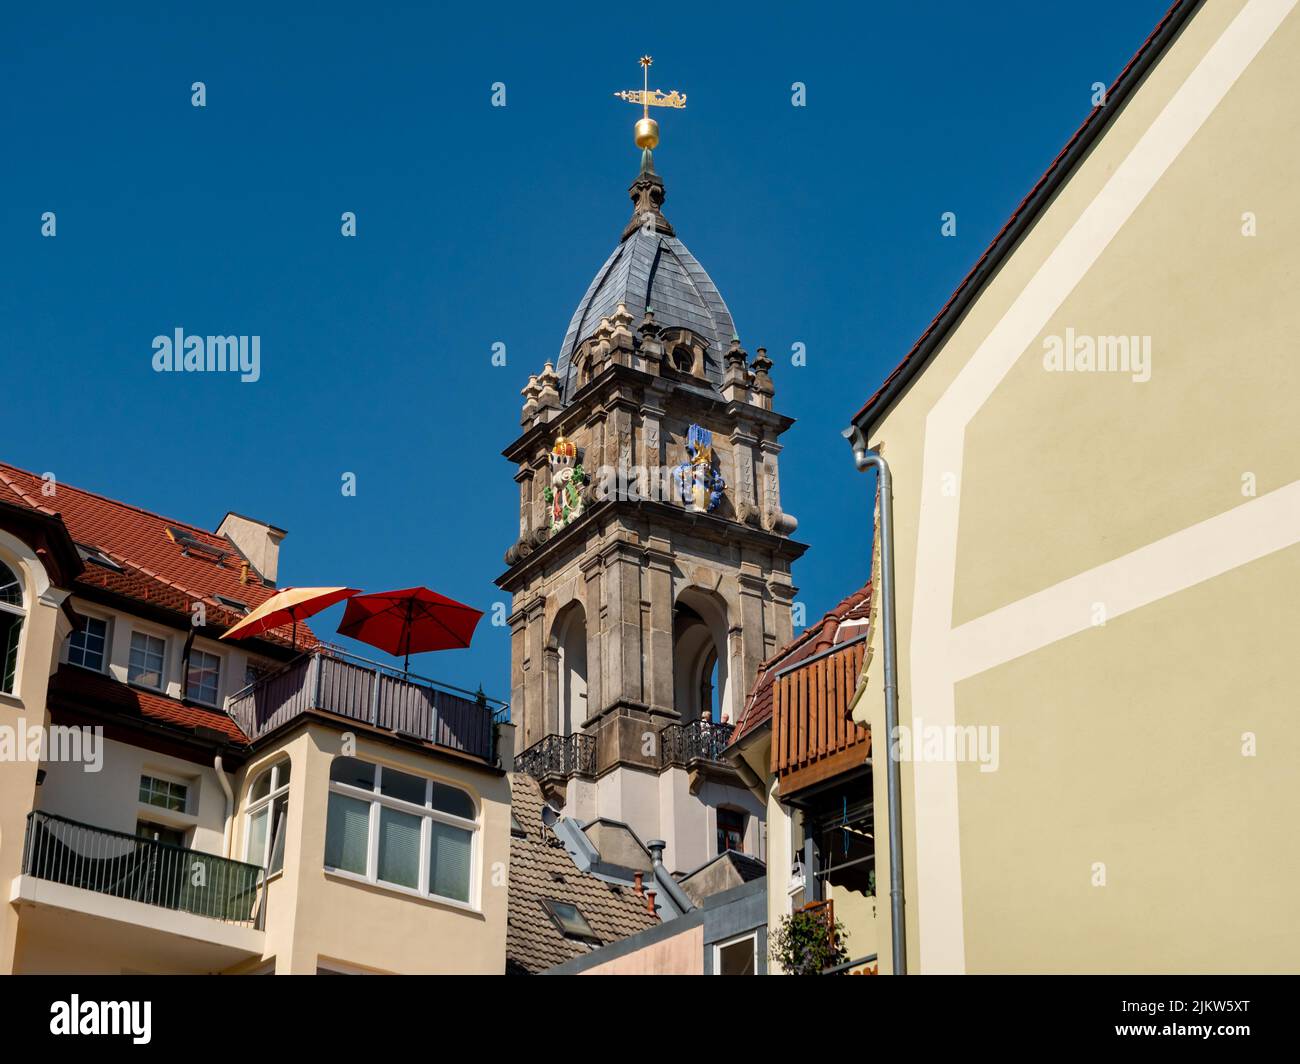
563 496
698 480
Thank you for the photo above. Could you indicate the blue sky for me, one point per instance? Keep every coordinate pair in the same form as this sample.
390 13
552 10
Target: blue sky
480 225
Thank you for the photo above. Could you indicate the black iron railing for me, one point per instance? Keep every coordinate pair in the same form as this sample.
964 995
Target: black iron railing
559 755
144 870
331 680
680 744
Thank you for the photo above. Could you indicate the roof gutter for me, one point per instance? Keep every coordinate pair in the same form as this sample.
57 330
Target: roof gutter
866 459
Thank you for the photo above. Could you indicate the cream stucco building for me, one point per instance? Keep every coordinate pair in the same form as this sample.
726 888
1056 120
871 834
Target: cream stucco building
1096 469
203 806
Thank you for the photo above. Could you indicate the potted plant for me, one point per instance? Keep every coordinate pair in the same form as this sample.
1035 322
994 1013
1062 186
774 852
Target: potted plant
808 941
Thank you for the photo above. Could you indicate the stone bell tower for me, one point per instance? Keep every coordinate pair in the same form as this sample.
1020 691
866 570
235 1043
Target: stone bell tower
652 570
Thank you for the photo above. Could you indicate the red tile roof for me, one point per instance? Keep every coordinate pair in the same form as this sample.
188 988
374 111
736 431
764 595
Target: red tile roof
75 688
156 569
835 627
1028 209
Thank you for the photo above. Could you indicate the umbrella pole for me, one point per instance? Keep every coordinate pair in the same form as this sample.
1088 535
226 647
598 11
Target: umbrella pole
410 610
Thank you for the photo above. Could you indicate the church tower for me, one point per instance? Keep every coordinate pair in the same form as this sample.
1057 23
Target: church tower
652 572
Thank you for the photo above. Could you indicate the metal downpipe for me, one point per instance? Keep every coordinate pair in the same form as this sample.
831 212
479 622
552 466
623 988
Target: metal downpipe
868 459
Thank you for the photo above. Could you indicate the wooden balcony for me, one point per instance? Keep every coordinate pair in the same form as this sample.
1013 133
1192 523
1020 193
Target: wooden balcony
329 680
813 738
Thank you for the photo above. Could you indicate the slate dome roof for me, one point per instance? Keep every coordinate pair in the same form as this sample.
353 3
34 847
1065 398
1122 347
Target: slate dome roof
651 268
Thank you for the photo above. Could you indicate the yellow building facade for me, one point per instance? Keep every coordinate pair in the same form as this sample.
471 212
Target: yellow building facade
1097 504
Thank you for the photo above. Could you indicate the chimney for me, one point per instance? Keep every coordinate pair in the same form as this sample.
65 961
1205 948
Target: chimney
257 541
650 901
637 880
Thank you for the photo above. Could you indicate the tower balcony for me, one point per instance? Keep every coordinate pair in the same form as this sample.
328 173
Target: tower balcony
556 758
332 681
559 757
701 740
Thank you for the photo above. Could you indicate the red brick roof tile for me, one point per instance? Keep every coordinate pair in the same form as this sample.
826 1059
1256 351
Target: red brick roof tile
75 688
156 570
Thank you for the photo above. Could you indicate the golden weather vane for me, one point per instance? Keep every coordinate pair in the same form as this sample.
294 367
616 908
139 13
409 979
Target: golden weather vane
647 129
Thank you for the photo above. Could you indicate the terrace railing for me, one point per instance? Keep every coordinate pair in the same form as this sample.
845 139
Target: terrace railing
561 756
330 680
140 869
680 744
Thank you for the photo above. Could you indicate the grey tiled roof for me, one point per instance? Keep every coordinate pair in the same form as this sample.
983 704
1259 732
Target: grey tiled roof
651 270
541 868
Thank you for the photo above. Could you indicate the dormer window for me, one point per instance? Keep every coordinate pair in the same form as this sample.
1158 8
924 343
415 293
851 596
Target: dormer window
87 645
148 656
203 678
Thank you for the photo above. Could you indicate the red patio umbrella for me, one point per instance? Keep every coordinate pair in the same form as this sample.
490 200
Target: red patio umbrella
410 621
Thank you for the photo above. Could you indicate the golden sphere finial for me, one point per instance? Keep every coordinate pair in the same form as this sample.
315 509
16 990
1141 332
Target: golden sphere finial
647 133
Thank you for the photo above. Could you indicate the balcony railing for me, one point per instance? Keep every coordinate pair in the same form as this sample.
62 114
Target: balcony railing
680 744
559 755
144 870
565 756
330 680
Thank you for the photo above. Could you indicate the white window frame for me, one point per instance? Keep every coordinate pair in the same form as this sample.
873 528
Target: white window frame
428 815
189 664
162 670
107 621
162 811
751 936
21 612
278 790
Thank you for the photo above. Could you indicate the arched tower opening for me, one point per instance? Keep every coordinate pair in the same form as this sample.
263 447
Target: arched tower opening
701 680
570 641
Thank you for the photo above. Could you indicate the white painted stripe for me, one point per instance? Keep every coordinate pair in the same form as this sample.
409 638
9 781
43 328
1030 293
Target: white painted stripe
1191 556
938 888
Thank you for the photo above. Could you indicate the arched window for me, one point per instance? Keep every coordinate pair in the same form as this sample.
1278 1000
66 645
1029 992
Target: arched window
266 822
390 827
12 615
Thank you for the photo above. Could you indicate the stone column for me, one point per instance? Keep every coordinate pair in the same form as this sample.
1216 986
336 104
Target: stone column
659 634
774 518
621 654
551 658
746 488
593 570
752 588
518 673
525 480
652 448
534 672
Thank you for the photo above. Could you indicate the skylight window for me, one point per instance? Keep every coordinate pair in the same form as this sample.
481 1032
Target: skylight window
569 919
233 604
94 557
191 544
